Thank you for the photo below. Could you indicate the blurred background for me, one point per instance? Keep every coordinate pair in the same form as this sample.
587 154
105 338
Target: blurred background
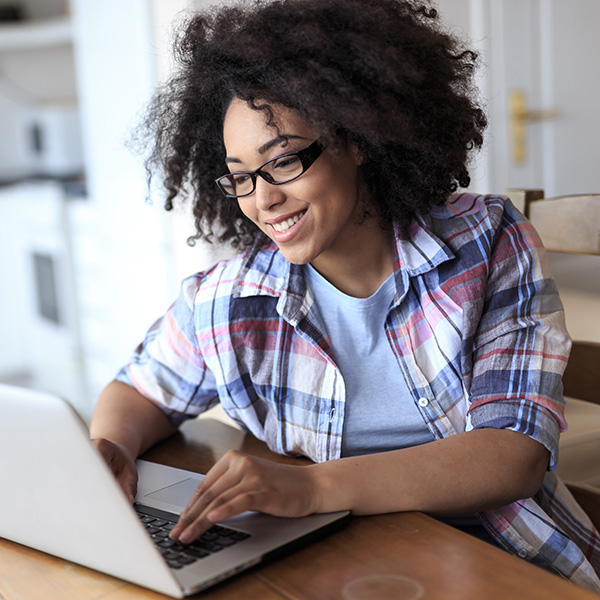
87 263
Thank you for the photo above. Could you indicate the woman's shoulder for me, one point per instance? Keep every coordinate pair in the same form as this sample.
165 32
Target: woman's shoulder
215 279
475 214
469 204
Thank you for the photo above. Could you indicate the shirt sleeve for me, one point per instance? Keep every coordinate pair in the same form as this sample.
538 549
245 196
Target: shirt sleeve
167 367
521 347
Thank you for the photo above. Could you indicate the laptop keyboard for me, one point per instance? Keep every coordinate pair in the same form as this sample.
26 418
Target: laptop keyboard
159 524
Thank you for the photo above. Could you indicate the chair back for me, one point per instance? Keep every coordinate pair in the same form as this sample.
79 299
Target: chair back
581 379
565 223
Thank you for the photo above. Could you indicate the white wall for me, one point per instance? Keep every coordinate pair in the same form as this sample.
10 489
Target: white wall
121 251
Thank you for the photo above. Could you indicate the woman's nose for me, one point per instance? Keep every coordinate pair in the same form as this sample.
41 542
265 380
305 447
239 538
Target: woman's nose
267 195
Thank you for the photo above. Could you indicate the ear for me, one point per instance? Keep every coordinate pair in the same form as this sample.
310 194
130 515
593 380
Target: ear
358 157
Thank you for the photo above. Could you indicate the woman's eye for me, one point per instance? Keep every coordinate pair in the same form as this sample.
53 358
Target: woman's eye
240 178
287 162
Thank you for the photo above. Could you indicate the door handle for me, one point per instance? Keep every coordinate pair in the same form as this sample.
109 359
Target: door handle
520 116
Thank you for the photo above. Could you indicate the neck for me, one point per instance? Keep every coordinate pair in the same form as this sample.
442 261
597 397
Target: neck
361 268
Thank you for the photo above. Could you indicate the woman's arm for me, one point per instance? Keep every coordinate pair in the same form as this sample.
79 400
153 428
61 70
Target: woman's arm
123 426
462 474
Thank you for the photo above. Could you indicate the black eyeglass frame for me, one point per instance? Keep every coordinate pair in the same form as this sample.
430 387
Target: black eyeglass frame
307 157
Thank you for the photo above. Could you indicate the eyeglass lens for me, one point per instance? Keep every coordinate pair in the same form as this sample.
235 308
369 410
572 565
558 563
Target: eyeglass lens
278 170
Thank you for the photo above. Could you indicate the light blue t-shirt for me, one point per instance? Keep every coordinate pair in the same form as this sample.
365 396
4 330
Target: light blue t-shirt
380 414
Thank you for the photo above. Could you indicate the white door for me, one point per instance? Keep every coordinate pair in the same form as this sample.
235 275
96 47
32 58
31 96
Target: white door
550 51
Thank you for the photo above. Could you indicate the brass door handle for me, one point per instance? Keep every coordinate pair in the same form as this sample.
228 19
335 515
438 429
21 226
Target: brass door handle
520 115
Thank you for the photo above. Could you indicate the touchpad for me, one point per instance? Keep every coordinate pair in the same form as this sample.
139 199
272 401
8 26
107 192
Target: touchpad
176 494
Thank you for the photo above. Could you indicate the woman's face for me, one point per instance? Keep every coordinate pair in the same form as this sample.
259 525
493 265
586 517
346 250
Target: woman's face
311 218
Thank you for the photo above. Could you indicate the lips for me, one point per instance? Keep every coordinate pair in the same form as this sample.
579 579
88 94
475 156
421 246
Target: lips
283 226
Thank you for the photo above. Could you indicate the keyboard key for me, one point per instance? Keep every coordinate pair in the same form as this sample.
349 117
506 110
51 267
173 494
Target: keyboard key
197 553
160 534
152 530
171 555
216 529
159 523
145 519
226 532
225 542
208 546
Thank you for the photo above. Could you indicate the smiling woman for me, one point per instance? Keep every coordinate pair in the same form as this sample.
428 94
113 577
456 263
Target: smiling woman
407 338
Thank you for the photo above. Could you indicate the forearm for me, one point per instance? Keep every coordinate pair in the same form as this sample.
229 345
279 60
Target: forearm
462 474
125 417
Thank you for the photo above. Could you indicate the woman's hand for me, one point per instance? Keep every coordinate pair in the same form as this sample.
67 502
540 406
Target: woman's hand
237 483
122 465
124 425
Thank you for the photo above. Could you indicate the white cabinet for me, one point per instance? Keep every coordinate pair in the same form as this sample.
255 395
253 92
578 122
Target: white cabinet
38 308
36 35
39 121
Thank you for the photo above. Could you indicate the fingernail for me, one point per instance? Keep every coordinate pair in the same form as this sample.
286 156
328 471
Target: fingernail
186 537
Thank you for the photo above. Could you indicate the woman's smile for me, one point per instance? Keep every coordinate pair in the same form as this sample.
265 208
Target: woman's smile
284 224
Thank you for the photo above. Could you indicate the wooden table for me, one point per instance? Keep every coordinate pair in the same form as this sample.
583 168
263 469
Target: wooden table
441 561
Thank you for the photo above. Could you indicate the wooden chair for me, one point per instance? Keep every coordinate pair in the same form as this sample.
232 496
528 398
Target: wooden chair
579 449
566 223
582 375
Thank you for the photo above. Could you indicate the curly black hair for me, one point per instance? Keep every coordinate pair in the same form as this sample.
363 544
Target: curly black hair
381 74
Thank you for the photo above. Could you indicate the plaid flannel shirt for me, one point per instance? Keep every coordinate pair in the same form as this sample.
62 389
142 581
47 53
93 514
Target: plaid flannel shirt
476 325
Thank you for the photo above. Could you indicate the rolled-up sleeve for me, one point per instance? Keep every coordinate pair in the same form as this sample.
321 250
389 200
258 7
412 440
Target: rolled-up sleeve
522 345
167 367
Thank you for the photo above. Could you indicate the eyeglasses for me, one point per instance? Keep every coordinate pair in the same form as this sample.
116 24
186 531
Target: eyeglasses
277 171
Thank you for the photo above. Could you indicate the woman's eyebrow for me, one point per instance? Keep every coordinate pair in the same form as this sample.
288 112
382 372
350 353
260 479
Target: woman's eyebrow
266 147
281 138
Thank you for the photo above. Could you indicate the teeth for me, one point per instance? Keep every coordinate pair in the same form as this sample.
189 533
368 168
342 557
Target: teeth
285 225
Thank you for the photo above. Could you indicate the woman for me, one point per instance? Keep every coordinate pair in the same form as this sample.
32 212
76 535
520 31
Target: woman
407 338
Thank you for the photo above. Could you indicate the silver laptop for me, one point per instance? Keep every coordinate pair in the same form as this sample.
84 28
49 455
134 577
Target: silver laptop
58 496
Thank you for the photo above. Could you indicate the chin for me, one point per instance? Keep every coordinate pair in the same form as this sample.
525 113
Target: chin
297 258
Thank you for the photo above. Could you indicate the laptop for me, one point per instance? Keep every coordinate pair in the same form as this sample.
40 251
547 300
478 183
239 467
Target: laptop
59 496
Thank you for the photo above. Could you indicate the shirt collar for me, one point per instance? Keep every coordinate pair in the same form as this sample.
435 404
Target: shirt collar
266 272
416 253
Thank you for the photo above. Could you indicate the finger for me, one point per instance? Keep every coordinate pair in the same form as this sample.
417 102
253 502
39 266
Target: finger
237 505
128 482
238 501
123 469
203 501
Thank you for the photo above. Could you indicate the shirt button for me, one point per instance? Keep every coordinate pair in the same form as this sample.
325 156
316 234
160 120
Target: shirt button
522 553
423 402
